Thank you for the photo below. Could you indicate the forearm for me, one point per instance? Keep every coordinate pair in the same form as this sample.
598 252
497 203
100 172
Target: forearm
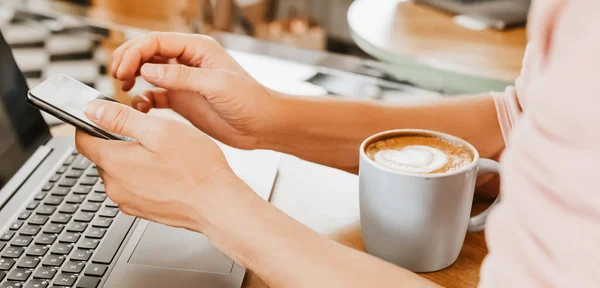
329 131
279 249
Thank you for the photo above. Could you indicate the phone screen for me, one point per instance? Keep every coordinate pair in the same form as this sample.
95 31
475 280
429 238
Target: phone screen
65 95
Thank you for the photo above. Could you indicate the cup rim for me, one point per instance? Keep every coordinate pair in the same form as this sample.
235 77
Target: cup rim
442 135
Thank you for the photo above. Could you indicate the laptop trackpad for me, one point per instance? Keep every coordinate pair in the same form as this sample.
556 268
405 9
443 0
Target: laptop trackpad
176 248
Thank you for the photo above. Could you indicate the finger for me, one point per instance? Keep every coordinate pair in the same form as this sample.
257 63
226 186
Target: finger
118 56
115 192
95 149
124 120
187 48
152 98
178 77
128 84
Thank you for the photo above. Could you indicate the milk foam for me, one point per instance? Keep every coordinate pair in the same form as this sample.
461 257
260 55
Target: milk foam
412 159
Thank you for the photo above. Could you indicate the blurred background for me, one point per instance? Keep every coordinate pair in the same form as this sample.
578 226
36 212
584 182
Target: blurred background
382 50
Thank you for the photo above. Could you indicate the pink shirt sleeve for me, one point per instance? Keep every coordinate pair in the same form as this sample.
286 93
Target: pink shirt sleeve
546 230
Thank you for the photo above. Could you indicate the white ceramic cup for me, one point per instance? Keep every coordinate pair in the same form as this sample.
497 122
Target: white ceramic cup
419 221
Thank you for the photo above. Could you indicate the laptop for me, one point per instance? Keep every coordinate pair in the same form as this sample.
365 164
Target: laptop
58 228
495 14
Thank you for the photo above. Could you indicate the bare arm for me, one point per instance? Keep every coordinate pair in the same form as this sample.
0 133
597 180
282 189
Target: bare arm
285 253
329 131
219 97
245 227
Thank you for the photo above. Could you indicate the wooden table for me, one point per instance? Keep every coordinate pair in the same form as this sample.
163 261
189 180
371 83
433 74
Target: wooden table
326 200
397 30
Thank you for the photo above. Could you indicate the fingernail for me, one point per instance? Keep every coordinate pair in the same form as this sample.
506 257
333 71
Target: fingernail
94 109
153 71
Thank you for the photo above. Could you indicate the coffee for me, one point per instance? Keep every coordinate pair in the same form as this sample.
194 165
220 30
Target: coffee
419 154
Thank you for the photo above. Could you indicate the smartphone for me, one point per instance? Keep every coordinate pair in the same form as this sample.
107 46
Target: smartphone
64 98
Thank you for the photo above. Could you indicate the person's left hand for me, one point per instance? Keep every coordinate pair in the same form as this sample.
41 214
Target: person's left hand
173 174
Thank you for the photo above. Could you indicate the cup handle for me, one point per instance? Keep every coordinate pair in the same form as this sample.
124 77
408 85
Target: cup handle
477 222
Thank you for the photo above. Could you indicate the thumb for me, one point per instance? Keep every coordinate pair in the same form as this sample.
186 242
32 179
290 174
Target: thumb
120 119
177 77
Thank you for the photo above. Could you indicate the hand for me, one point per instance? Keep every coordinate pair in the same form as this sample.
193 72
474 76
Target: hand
173 174
199 80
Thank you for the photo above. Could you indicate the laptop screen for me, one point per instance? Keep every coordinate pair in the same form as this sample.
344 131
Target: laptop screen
22 128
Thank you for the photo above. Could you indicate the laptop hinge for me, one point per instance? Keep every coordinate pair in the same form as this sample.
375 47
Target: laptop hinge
23 174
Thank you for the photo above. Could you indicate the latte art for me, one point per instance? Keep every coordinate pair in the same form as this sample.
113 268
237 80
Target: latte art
419 154
413 159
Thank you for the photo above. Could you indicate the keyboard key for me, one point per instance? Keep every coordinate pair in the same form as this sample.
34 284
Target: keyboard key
7 236
38 220
53 260
100 188
60 191
65 279
97 197
90 206
75 199
32 205
6 264
88 180
45 239
82 189
67 182
11 284
93 172
24 215
69 160
102 222
74 173
97 270
61 169
53 228
76 227
61 218
12 252
16 225
45 272
48 186
111 243
19 275
40 196
73 267
45 210
81 255
28 262
54 178
30 230
69 237
95 233
21 241
37 283
61 249
37 250
81 163
88 243
2 244
111 204
2 275
108 212
88 282
68 208
84 216
53 200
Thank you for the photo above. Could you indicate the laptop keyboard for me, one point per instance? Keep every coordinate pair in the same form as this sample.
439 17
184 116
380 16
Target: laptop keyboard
67 236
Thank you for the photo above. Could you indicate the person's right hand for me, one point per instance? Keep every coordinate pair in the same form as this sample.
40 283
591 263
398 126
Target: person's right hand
198 79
